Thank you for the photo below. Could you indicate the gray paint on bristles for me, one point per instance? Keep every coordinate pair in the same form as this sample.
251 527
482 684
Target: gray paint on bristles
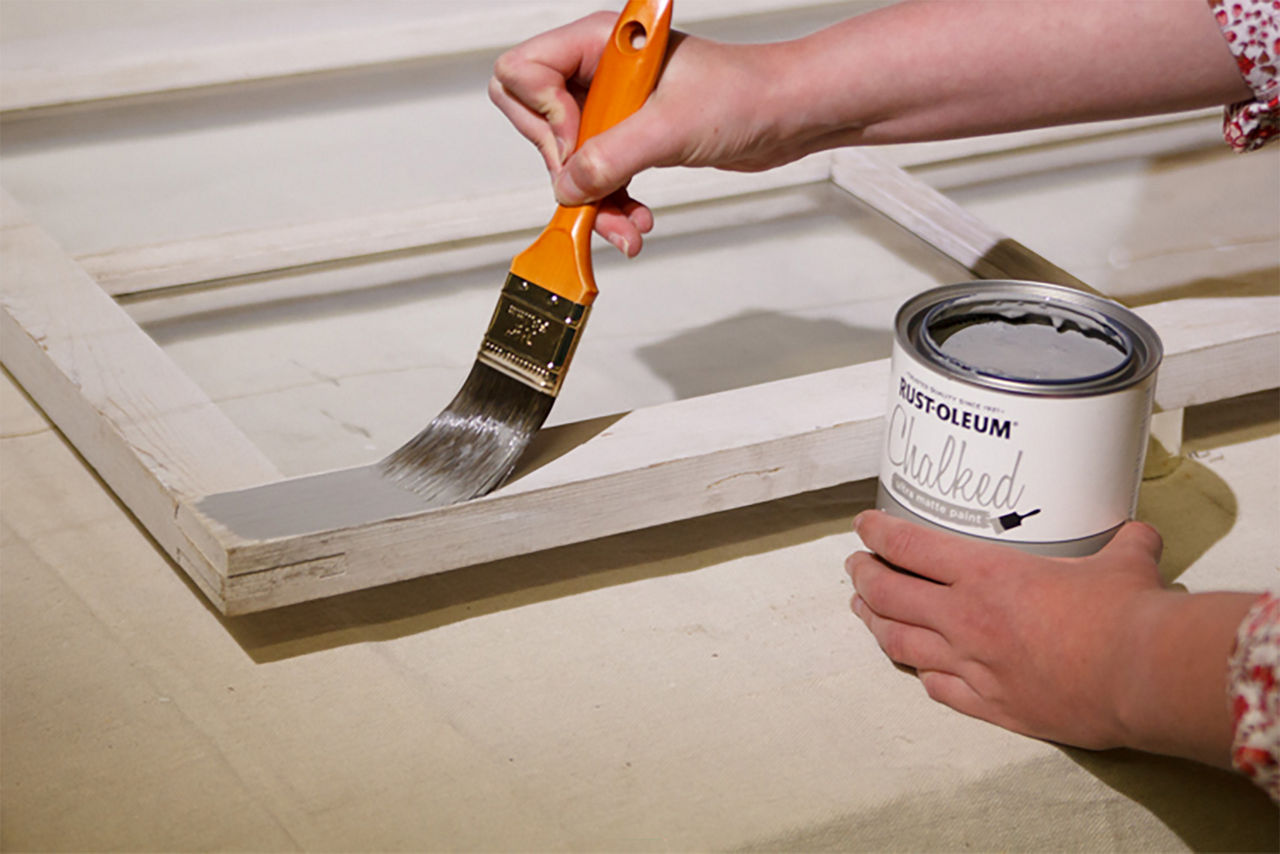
471 447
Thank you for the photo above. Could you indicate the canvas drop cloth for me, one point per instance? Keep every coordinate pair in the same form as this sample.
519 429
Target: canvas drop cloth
700 686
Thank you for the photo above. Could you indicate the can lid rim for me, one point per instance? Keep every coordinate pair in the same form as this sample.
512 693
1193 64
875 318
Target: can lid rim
1128 331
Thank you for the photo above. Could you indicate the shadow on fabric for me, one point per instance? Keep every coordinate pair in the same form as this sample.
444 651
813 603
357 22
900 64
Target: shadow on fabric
426 603
1049 804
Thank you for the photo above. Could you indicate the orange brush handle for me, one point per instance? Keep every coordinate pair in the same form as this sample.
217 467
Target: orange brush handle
560 259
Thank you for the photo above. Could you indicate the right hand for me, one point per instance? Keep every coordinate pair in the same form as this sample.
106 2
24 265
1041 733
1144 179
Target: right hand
1093 651
709 108
1031 643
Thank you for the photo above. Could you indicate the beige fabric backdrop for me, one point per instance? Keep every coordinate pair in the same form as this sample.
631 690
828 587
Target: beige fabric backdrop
698 686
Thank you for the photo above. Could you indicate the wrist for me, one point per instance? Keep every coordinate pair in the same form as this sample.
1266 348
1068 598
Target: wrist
1138 666
1172 694
785 100
818 87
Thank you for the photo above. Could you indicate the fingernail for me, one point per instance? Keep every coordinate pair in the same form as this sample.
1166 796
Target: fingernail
564 147
622 244
856 604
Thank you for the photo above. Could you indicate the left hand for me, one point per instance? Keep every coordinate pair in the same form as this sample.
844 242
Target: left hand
1037 645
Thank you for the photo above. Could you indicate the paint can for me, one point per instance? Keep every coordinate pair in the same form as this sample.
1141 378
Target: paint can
1018 413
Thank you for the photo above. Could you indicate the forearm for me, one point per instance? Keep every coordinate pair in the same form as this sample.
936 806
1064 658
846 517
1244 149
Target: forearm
1174 677
923 70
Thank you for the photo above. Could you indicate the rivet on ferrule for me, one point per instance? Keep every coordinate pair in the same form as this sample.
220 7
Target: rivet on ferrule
532 334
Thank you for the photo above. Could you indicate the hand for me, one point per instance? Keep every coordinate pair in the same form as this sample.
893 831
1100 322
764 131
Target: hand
708 109
1093 652
1034 644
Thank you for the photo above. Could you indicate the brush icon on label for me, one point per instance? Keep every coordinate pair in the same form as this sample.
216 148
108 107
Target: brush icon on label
1010 520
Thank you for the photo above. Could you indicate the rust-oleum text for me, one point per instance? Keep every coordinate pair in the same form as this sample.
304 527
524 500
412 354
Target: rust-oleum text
966 419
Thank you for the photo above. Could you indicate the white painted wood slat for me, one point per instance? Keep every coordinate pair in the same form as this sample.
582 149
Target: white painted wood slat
144 426
185 470
167 451
680 460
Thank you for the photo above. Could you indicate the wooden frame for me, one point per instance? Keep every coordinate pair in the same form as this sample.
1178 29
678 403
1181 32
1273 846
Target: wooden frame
167 451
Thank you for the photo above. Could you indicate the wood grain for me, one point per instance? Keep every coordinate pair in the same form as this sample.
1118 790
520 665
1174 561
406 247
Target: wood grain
480 223
144 426
648 467
253 541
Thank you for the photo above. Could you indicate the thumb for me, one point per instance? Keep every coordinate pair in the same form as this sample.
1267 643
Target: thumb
607 161
1137 537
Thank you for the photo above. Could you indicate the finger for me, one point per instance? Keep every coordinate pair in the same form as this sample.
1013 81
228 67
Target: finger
958 693
542 73
611 158
548 110
953 691
892 594
939 555
623 221
1139 538
913 646
639 213
531 125
617 228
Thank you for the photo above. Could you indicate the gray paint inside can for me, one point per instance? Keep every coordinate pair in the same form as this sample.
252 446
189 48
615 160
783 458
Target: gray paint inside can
1029 343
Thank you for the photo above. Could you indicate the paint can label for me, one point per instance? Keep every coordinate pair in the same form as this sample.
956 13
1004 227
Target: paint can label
1012 468
1052 472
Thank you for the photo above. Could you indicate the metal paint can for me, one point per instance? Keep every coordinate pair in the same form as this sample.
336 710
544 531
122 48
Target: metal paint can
1018 413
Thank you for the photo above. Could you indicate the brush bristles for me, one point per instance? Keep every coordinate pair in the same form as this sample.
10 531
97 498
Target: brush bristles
472 446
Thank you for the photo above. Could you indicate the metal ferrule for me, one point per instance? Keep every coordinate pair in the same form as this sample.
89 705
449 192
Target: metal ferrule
532 335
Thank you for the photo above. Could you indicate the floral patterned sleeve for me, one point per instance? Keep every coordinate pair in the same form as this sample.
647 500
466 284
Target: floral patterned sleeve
1254 686
1252 30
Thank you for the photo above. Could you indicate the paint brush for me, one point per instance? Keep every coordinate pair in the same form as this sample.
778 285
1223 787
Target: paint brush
472 446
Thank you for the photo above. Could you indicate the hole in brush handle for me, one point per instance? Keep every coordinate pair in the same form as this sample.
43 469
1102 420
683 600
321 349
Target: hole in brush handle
632 37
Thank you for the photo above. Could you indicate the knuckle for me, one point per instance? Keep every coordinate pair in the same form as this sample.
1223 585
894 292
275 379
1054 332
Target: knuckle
517 65
985 572
853 565
591 170
901 541
496 89
866 575
894 643
935 685
857 561
506 67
